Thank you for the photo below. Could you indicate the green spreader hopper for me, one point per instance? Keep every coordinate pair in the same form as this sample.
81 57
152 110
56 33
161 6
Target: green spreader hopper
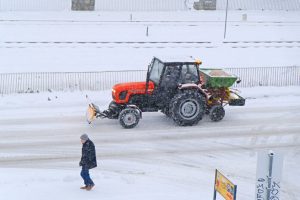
217 78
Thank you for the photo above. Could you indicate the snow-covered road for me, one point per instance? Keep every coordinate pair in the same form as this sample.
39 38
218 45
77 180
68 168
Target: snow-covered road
45 138
45 135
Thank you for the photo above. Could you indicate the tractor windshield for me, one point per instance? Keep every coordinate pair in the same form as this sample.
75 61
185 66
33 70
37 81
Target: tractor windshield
156 70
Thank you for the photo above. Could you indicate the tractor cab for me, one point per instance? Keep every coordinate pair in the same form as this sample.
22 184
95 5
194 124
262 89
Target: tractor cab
167 75
170 71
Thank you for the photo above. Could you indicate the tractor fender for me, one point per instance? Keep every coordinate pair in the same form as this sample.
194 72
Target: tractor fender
135 107
187 85
193 86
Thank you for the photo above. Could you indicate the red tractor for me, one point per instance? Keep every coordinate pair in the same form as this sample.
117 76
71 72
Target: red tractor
179 89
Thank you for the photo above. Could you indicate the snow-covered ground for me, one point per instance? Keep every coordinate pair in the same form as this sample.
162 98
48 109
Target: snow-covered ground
98 41
40 148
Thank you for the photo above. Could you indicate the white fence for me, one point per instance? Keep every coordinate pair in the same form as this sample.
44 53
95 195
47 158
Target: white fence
35 5
100 5
259 4
146 5
71 81
140 5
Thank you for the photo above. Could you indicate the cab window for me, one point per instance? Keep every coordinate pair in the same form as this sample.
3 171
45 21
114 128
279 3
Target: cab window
189 74
156 71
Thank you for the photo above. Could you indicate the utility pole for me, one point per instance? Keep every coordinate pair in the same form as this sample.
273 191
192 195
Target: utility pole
226 19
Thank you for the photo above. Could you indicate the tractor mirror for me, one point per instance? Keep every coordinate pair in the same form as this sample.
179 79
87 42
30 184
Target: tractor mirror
238 81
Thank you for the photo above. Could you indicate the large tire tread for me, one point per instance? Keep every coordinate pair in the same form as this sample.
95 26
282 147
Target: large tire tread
127 111
182 96
217 113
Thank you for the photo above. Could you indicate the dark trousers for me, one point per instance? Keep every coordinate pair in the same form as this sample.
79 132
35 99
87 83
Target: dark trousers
86 176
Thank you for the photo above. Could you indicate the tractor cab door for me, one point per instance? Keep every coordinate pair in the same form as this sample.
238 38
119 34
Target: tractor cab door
170 78
154 75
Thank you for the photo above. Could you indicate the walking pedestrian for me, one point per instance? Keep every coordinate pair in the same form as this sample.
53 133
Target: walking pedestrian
88 161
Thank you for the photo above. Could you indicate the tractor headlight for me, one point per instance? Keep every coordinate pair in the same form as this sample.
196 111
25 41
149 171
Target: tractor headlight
113 94
122 95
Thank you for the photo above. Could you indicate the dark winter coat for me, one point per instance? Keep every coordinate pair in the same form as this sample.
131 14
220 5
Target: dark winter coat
88 158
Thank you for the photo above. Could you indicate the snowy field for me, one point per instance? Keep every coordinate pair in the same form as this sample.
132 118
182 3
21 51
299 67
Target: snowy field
98 41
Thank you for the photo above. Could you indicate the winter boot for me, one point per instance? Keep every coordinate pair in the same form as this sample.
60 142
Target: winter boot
90 187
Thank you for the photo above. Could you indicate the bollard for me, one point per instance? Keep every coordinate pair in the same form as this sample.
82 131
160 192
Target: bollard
244 17
147 31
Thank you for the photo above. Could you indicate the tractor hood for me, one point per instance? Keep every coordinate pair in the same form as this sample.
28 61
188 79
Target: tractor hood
122 92
133 87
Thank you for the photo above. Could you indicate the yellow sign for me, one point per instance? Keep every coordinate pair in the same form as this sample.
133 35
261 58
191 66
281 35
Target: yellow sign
225 187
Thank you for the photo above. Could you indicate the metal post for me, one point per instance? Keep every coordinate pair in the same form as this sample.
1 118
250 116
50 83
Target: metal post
147 31
271 155
215 192
226 19
235 190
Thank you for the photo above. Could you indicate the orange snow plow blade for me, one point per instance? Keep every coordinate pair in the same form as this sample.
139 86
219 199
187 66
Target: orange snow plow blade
91 113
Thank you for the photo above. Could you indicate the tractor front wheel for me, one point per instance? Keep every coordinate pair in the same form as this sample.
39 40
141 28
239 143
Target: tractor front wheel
129 117
216 113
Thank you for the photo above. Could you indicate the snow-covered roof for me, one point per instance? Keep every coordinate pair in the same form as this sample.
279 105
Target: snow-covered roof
177 59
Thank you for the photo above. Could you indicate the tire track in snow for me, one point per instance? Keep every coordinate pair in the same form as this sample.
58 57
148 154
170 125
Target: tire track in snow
55 139
37 161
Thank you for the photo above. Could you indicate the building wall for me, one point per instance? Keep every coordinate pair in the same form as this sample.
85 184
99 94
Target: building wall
83 5
35 5
140 5
259 4
100 5
205 5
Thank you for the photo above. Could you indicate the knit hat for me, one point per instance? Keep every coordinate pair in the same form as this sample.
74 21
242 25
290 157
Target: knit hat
84 137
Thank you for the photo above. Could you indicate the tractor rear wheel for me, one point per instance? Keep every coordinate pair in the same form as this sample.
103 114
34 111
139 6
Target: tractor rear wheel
187 108
216 113
129 117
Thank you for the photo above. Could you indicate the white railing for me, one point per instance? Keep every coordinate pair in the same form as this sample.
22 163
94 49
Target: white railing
140 5
72 81
35 5
267 76
100 5
146 5
259 4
